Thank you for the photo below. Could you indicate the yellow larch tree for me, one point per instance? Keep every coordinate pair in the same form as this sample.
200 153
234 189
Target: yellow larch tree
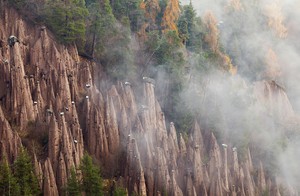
151 8
171 16
212 35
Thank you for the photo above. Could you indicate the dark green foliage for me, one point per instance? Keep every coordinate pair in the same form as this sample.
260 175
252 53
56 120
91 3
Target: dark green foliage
165 48
119 191
183 29
166 54
17 3
129 9
190 28
109 41
73 185
91 179
8 183
67 20
24 173
162 5
99 23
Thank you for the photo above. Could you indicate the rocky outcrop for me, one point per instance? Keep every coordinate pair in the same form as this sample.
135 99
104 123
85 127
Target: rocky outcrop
9 139
49 182
273 96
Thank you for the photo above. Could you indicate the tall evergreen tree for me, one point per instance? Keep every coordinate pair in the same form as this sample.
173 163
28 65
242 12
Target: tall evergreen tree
129 9
171 15
101 26
73 185
67 20
24 173
91 179
183 31
190 15
8 184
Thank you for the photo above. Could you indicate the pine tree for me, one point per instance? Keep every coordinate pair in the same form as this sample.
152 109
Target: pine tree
187 26
190 15
119 191
91 179
67 20
129 9
183 29
8 184
101 26
73 185
152 8
24 173
171 15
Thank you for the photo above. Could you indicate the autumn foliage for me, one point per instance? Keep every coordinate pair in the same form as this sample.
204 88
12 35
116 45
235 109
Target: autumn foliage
171 16
212 35
152 8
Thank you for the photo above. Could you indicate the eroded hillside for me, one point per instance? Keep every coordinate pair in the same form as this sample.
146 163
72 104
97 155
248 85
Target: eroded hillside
48 89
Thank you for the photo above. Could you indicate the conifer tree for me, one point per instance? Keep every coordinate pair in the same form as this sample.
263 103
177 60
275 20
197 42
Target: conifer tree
129 9
24 173
8 184
101 24
91 179
73 185
212 34
67 20
187 27
171 15
152 8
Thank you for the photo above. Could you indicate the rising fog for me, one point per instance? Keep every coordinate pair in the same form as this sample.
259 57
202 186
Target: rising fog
259 106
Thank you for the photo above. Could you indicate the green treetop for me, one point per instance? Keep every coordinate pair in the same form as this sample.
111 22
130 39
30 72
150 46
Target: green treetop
24 173
91 179
8 183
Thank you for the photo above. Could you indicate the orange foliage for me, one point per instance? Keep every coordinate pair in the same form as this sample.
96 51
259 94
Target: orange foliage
228 64
171 16
211 38
143 6
151 10
275 16
212 35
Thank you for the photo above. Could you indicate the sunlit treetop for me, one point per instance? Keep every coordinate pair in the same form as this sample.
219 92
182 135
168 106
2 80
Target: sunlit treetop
212 35
171 16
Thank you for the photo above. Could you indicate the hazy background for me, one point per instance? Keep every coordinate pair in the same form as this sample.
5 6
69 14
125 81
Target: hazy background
262 38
